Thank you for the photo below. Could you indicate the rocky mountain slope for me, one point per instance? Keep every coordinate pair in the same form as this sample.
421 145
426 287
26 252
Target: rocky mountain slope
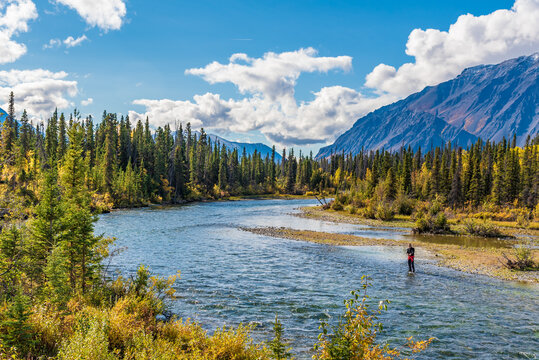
486 101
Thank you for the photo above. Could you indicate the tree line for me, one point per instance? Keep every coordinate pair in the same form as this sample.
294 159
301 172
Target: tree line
129 164
485 173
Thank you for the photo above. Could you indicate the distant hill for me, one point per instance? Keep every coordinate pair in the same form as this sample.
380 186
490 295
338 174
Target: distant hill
486 101
250 148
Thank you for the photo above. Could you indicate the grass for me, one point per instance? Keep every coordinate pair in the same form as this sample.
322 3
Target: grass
508 228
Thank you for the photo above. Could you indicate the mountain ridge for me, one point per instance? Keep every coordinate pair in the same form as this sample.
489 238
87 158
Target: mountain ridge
484 101
263 149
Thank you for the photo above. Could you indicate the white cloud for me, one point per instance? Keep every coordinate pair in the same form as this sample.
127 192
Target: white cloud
273 75
13 21
52 44
317 121
104 14
471 40
87 102
268 83
38 91
71 42
270 107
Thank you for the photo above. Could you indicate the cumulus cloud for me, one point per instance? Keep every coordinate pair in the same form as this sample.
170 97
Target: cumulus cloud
273 75
87 102
38 91
268 83
69 42
270 107
52 44
104 14
471 40
14 20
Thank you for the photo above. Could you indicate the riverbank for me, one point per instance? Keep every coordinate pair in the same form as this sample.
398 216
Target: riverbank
405 222
480 260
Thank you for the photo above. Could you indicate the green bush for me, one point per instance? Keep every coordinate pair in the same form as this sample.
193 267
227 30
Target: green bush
15 328
437 205
403 205
385 212
351 209
368 212
431 224
354 337
336 205
523 221
89 342
482 228
278 347
523 259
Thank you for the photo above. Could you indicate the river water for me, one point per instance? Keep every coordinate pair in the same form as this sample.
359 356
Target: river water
230 276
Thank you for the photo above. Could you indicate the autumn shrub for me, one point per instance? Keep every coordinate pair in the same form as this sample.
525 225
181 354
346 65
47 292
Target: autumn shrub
88 342
355 336
342 198
336 205
49 324
404 205
103 203
426 223
483 228
234 343
522 259
523 221
369 211
385 212
351 209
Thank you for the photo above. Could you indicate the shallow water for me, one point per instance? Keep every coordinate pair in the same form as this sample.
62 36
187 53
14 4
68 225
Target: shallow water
231 276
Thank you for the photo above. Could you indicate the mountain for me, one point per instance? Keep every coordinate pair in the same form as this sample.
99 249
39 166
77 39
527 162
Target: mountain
485 101
250 148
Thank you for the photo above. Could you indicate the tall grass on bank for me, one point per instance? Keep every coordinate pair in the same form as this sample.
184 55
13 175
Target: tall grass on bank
120 321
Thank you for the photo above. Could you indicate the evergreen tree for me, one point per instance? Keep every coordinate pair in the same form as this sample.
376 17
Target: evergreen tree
47 228
80 242
223 169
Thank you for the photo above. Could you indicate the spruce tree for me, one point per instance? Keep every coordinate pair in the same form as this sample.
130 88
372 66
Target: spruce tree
80 243
223 169
47 227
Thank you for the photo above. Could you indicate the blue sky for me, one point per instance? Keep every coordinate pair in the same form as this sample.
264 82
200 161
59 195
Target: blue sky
144 57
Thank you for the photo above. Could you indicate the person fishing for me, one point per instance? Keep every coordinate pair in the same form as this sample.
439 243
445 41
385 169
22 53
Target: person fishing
411 252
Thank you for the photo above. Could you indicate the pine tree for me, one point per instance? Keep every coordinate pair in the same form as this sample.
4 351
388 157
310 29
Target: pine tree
18 331
223 169
9 128
455 194
272 173
62 137
25 134
51 138
390 190
279 349
47 227
80 242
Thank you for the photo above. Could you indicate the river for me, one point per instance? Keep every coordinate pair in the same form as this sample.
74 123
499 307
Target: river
230 276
